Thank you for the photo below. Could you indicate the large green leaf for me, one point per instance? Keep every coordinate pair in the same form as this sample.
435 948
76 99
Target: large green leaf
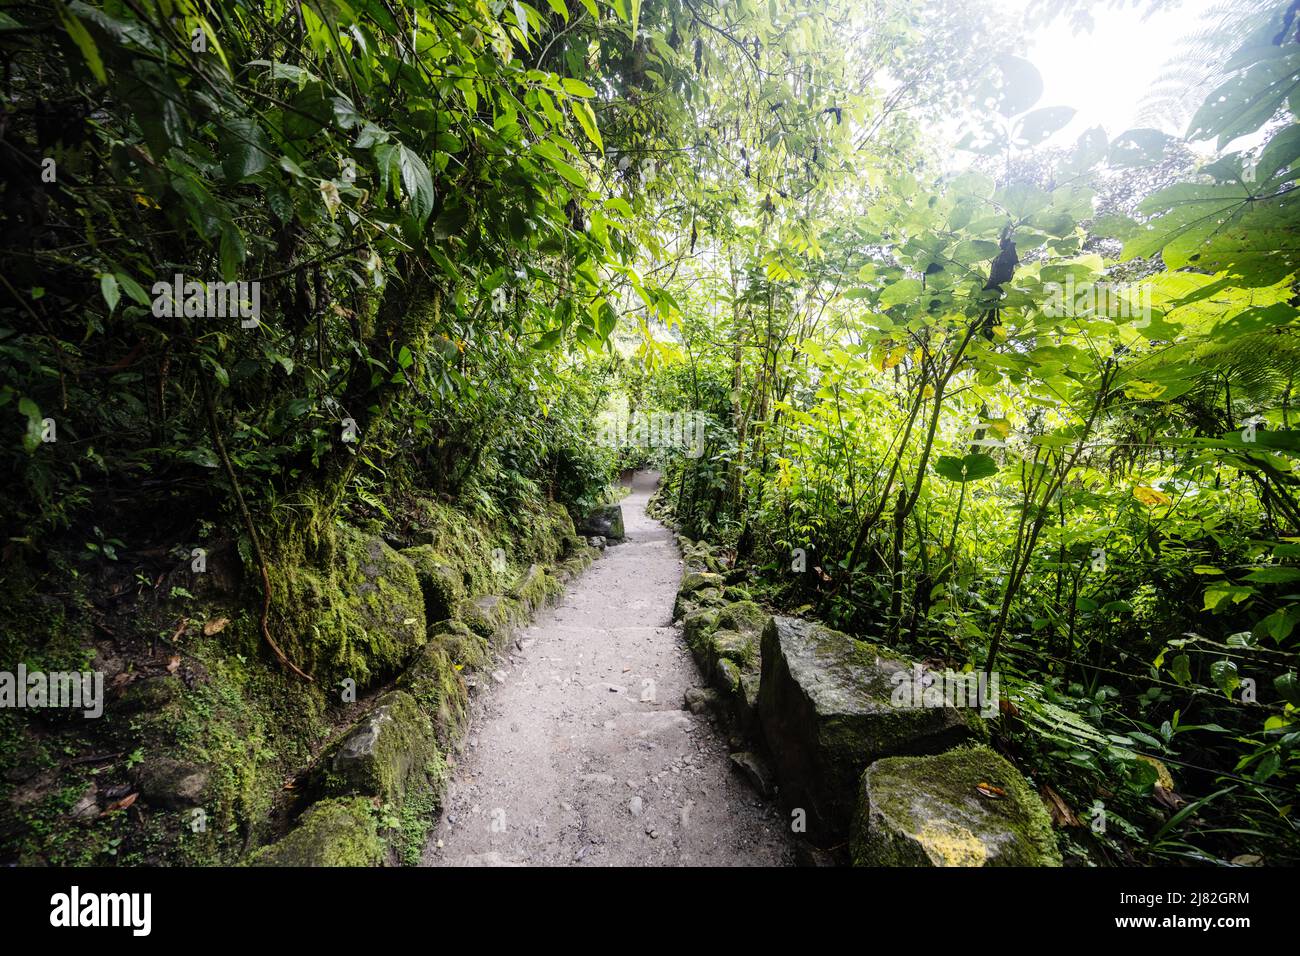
417 183
973 467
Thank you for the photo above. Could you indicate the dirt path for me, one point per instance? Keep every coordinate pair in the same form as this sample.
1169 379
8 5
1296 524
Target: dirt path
584 755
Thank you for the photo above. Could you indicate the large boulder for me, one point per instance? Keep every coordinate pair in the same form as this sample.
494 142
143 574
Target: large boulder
360 615
338 832
966 807
827 707
606 521
388 753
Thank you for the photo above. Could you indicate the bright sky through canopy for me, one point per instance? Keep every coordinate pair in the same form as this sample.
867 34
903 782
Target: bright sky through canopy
1106 73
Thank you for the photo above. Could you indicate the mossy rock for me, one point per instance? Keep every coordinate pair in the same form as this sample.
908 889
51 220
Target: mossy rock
697 627
571 544
442 585
966 807
535 588
361 617
732 661
248 724
743 616
492 616
437 686
576 563
546 533
735 593
705 597
726 676
605 521
386 754
478 620
464 648
694 581
696 559
337 832
703 644
739 647
172 784
827 709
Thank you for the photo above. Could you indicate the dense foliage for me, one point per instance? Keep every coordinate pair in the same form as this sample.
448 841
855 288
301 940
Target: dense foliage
1035 417
473 223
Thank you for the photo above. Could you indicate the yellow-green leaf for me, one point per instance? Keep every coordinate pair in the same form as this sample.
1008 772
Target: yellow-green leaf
1151 496
587 120
81 37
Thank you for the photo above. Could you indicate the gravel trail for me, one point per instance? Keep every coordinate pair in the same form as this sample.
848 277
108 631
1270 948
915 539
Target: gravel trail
583 755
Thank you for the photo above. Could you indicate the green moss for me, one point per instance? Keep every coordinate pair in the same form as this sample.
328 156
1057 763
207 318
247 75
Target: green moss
697 627
544 533
696 580
251 725
743 616
464 545
476 619
151 694
492 616
726 675
383 755
359 617
339 832
391 753
740 647
931 811
442 585
437 686
464 648
535 587
418 813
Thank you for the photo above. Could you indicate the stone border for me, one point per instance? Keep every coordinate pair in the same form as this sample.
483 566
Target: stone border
872 777
393 756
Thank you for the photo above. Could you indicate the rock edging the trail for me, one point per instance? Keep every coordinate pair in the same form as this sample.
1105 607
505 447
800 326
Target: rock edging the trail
900 782
394 757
